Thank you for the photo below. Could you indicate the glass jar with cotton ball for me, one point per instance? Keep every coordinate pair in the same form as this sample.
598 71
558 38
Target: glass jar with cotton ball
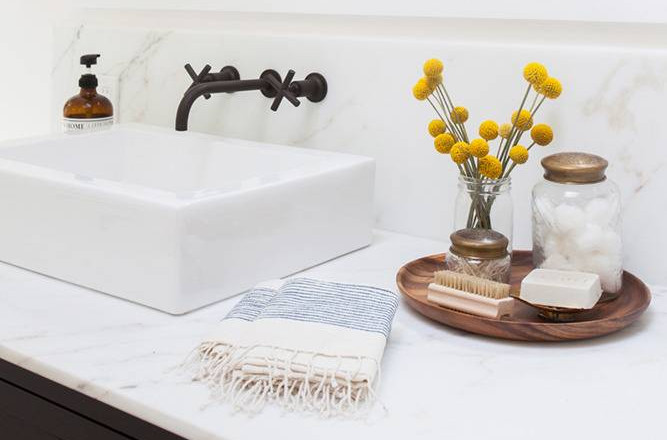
577 219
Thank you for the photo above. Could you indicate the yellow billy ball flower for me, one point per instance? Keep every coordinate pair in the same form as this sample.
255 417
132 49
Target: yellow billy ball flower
522 120
436 127
535 73
519 154
443 143
490 167
542 134
459 152
459 115
434 81
479 147
421 90
551 88
504 130
488 130
433 67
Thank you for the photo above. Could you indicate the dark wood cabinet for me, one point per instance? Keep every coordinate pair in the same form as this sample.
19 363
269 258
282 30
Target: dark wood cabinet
35 408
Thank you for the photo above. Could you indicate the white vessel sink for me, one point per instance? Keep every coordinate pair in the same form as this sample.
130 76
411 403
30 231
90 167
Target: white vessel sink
176 221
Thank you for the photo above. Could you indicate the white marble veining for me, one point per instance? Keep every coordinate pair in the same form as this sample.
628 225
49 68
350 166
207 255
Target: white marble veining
615 79
437 382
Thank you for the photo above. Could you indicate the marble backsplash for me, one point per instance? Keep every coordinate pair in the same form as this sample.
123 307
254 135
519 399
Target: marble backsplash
614 77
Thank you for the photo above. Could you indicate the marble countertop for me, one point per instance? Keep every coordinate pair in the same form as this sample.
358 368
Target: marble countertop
436 381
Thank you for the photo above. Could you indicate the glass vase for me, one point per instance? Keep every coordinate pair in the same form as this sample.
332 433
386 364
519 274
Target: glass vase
484 203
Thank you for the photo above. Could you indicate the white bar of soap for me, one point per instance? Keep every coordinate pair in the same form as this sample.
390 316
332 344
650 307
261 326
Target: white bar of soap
560 288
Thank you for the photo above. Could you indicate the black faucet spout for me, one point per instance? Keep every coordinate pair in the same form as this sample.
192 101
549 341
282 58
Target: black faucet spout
201 89
228 80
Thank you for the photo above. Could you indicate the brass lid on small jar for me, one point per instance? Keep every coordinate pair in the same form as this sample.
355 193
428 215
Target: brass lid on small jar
575 168
484 244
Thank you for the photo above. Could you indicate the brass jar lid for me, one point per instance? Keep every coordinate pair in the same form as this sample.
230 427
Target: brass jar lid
574 168
485 244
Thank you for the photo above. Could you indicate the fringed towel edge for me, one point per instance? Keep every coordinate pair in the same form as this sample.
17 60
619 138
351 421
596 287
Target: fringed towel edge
334 392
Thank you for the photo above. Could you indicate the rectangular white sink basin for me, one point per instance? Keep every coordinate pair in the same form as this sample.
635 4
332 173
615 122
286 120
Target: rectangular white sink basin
176 221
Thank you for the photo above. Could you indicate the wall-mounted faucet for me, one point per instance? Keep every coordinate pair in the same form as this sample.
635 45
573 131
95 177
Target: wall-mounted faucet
228 80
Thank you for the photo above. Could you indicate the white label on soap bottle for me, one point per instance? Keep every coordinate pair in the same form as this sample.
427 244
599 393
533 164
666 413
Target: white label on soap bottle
75 126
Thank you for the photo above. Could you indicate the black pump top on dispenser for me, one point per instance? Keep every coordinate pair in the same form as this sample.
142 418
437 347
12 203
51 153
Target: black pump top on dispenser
88 80
89 59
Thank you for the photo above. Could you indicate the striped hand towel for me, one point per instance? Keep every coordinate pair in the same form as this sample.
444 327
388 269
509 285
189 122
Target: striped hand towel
303 344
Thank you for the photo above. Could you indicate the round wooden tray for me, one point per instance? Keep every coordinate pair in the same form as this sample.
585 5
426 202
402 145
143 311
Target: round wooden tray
524 324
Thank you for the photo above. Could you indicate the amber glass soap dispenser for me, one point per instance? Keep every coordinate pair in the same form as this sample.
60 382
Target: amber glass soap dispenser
88 111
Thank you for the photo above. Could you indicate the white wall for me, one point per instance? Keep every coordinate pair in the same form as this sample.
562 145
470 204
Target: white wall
26 33
638 11
26 54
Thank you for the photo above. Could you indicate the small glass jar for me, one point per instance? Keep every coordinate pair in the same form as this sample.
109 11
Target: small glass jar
481 253
485 204
577 219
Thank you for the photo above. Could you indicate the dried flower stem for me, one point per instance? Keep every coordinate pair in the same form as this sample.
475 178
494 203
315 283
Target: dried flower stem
443 103
508 143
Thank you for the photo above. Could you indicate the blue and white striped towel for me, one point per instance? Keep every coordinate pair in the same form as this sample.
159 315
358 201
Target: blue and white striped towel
303 343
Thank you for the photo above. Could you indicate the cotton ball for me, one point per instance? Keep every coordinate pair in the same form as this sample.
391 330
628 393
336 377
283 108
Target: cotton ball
613 275
555 242
611 280
568 245
557 261
579 261
569 217
607 266
551 244
599 211
611 243
596 263
590 262
589 239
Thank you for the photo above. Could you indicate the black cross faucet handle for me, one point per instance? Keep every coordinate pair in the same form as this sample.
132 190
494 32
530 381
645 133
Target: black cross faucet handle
282 91
198 78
